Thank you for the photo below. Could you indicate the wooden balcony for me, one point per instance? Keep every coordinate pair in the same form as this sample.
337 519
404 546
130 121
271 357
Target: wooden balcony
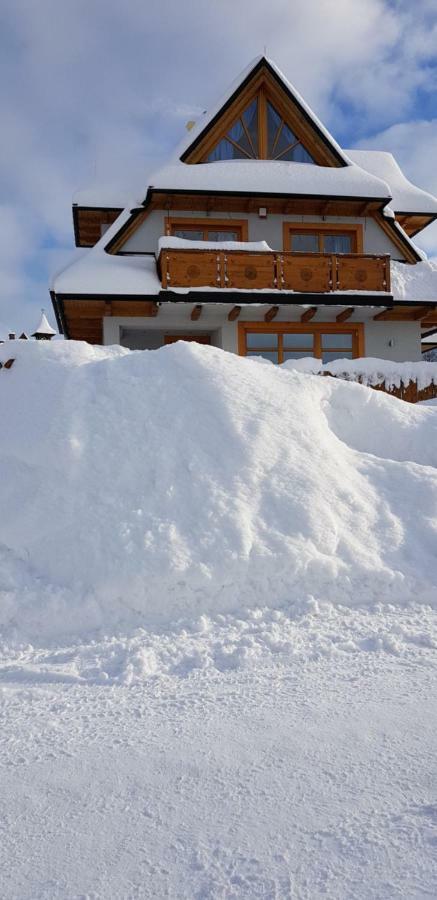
301 272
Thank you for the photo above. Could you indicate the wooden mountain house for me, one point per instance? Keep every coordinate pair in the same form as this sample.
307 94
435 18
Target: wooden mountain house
262 236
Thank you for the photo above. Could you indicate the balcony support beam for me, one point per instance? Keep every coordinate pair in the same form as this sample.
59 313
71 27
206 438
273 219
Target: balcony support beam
196 312
271 314
234 313
345 314
406 314
308 314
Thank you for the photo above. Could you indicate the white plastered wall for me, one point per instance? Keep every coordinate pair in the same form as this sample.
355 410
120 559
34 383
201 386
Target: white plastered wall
145 239
397 341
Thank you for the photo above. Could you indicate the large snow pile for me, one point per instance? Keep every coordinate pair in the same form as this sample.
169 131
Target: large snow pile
139 488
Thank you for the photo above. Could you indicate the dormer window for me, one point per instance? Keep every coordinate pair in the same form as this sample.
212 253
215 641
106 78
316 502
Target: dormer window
260 133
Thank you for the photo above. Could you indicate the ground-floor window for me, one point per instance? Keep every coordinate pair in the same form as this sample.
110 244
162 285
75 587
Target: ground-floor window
326 341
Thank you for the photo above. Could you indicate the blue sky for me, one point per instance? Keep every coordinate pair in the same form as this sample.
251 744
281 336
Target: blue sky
97 91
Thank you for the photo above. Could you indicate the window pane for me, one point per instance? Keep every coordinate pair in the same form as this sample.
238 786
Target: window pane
238 134
337 341
305 243
285 138
266 354
250 117
188 235
225 150
273 123
223 235
336 354
258 339
298 340
337 243
298 154
297 354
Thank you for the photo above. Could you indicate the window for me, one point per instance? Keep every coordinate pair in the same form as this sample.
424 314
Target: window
323 237
208 229
260 133
279 343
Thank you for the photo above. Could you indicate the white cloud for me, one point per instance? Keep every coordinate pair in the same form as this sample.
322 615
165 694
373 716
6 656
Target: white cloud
414 144
95 88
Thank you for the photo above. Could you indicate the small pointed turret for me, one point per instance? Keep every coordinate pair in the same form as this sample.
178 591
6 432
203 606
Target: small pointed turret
44 331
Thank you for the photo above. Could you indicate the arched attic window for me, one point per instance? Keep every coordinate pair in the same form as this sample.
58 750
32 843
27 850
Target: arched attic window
244 138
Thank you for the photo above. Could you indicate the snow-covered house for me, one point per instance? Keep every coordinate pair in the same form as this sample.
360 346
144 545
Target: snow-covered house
261 235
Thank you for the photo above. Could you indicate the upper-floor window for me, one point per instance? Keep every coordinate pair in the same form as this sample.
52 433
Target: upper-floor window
260 132
208 229
322 238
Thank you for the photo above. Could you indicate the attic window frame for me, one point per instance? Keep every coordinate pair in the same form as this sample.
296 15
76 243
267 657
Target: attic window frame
263 98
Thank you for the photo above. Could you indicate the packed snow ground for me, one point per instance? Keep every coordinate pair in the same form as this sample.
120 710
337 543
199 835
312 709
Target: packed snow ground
218 630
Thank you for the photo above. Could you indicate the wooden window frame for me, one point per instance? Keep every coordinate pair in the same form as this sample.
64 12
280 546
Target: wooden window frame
265 85
263 99
172 223
322 228
317 329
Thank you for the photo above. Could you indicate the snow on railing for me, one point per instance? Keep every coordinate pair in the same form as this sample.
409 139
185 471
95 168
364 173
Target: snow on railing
411 381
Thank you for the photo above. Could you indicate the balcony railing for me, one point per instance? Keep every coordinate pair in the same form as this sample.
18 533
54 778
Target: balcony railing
301 272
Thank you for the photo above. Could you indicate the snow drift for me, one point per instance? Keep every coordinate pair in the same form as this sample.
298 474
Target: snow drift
140 488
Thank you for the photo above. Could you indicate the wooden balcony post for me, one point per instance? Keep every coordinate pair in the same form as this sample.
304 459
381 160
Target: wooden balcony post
387 273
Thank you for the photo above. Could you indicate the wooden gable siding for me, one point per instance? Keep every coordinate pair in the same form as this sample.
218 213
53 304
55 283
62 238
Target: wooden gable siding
412 223
87 223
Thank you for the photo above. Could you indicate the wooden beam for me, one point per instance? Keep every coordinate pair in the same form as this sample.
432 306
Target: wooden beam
271 313
234 313
384 314
196 312
365 209
308 314
420 313
108 308
402 314
345 314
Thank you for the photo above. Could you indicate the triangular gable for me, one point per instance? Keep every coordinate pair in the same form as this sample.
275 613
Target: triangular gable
264 118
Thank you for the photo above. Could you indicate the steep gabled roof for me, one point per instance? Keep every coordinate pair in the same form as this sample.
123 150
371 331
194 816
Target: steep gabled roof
261 71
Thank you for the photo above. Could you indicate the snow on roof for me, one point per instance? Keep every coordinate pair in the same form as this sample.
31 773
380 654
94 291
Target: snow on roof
96 272
414 282
406 196
44 326
114 195
207 117
270 177
100 273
